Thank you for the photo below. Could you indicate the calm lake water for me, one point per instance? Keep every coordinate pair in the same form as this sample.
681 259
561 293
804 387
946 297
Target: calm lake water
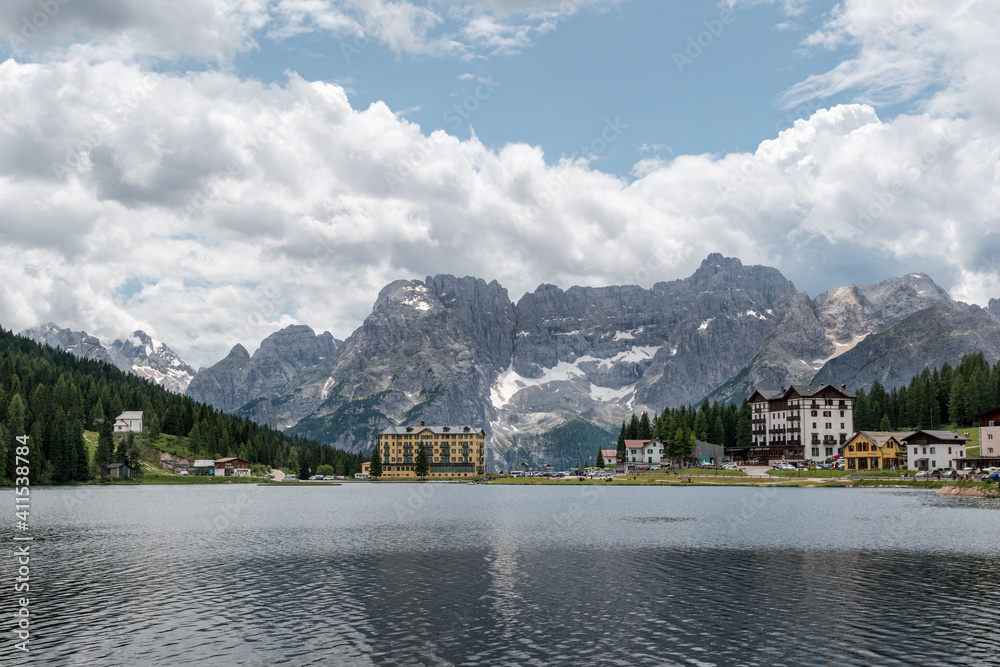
439 574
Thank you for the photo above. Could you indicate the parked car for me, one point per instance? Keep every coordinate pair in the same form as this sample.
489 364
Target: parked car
949 473
289 478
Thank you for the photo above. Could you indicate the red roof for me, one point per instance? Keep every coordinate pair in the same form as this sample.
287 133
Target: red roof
638 444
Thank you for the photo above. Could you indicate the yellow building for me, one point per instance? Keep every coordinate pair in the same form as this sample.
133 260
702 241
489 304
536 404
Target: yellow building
452 451
875 450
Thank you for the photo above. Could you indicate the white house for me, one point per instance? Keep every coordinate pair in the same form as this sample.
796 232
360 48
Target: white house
640 452
926 450
130 420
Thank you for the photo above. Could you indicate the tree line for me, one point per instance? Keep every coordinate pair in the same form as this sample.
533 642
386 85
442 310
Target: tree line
934 397
53 397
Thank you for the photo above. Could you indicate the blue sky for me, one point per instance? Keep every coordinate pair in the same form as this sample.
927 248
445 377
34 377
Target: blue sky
210 171
616 62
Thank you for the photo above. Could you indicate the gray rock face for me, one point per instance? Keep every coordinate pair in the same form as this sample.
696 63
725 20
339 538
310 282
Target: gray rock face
139 354
155 361
929 337
626 345
78 343
814 332
994 309
429 350
240 379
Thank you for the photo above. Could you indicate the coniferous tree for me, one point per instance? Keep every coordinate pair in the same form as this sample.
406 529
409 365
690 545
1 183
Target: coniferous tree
743 422
600 459
633 428
716 433
134 453
376 466
884 425
78 441
15 428
620 453
154 427
701 425
421 466
105 454
645 431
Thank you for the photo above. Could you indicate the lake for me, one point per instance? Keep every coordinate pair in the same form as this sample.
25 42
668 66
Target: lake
455 574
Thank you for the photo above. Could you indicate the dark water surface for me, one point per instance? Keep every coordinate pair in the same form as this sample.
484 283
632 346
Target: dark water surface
438 574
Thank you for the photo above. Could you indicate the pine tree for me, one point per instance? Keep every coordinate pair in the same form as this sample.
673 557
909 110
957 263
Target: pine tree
620 453
78 441
422 465
701 425
958 401
134 456
97 415
600 459
633 428
105 454
376 466
884 425
154 428
743 422
645 428
15 427
717 434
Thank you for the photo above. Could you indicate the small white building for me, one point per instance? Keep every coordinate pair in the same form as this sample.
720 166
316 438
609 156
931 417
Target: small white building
926 450
130 420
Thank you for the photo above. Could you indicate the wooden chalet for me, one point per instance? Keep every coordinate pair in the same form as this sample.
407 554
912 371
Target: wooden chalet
232 467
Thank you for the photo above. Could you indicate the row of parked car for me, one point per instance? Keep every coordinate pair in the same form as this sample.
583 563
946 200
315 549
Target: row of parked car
991 474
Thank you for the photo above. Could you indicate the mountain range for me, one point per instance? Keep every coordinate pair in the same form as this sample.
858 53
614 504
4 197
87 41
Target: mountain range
562 368
138 354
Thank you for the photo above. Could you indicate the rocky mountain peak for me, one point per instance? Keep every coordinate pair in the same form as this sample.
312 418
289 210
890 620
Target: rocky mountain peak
138 354
994 309
152 359
241 379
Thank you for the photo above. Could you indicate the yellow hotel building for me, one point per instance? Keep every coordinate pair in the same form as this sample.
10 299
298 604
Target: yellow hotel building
452 451
875 450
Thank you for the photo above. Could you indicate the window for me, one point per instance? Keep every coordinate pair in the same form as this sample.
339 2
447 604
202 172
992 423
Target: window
989 436
841 413
949 450
815 451
841 424
829 451
813 413
829 425
932 450
814 423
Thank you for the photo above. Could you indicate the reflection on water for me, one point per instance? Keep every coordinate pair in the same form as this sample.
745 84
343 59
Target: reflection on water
479 575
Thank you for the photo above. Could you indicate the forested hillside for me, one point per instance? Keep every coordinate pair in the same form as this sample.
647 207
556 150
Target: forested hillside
944 395
53 397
